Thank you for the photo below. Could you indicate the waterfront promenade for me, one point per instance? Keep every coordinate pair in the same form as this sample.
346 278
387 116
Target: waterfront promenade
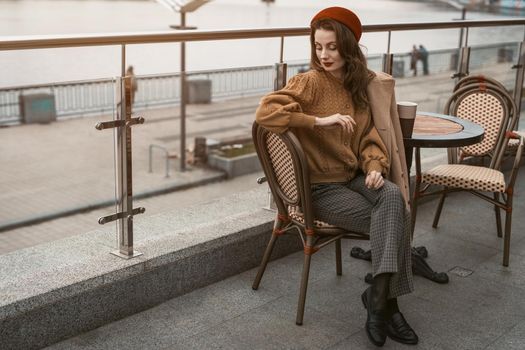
481 307
50 169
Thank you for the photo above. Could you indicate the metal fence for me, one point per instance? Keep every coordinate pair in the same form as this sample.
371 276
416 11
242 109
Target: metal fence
82 98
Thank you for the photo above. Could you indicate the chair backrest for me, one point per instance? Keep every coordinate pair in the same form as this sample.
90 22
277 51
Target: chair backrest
478 80
487 106
481 81
284 164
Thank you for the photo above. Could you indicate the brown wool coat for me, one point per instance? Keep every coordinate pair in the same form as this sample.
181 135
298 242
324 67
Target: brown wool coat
383 106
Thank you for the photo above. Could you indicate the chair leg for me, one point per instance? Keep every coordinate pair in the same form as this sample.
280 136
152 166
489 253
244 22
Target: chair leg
338 261
304 285
264 262
506 239
439 208
416 193
413 209
498 215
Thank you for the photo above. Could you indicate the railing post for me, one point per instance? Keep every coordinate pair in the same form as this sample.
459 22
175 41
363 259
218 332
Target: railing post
124 176
463 63
280 76
518 86
123 173
463 17
463 59
183 97
388 58
388 61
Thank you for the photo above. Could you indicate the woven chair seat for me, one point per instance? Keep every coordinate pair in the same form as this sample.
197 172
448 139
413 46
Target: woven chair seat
299 217
466 177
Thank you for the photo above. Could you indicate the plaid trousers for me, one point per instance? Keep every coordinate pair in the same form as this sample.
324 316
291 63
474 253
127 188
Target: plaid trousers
381 213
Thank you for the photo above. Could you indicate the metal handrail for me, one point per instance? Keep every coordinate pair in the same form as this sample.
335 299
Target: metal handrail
57 41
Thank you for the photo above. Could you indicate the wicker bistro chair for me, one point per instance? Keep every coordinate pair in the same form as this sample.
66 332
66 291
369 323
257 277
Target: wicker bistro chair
489 106
481 82
478 80
484 106
284 164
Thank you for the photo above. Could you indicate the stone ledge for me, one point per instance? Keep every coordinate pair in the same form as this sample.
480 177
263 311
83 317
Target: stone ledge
57 290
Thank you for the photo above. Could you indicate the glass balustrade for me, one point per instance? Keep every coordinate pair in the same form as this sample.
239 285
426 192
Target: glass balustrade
58 173
63 167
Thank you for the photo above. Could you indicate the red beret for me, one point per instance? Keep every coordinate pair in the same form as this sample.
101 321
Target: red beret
343 16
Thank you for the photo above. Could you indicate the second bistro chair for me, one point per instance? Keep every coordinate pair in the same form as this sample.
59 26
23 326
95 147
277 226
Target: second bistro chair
489 106
481 83
284 164
477 106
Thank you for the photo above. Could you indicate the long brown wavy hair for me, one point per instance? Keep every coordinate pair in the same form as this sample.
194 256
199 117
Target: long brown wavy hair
356 75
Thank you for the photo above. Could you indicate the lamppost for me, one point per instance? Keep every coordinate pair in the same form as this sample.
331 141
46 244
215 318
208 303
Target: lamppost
182 7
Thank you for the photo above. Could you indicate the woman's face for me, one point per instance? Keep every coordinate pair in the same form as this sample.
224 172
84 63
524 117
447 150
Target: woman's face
327 53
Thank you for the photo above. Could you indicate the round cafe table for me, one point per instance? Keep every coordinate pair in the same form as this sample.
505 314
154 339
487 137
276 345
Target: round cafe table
433 130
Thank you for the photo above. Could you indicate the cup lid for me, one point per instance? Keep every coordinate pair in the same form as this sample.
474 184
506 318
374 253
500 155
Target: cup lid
407 103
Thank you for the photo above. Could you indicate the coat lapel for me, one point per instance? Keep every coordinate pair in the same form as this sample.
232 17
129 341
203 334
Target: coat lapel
380 92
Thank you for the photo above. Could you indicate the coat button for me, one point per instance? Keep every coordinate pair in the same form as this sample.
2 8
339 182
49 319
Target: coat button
346 143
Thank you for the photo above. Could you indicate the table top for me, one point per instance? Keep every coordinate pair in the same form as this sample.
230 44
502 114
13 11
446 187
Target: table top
441 130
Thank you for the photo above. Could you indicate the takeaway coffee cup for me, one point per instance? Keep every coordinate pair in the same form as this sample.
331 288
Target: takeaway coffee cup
407 116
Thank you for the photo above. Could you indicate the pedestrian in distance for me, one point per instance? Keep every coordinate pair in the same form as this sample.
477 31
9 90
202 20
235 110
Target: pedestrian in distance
345 117
414 57
423 54
131 83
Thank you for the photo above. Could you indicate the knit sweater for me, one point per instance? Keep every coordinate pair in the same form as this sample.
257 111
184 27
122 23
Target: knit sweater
333 155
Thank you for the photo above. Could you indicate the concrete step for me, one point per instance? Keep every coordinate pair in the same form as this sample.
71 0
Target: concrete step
56 290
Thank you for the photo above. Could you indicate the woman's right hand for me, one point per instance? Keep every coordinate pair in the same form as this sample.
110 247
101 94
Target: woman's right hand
346 121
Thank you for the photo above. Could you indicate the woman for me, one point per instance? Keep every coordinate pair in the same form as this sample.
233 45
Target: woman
346 119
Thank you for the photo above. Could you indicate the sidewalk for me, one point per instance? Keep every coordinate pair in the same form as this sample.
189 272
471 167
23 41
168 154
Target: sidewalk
69 164
482 308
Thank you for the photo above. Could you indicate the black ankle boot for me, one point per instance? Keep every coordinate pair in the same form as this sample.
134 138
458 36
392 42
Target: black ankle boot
376 320
397 328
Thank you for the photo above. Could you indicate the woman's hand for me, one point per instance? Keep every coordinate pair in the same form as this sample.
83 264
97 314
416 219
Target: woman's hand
374 180
346 121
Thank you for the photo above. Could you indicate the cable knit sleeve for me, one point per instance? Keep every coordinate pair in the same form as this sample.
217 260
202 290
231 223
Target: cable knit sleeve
283 109
373 153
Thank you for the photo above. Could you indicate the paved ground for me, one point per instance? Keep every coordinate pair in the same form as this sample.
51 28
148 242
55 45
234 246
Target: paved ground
482 310
49 169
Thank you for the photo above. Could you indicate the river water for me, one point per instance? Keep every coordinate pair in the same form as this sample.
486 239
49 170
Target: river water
63 17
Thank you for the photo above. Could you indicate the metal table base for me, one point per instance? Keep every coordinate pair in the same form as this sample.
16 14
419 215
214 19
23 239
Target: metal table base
419 266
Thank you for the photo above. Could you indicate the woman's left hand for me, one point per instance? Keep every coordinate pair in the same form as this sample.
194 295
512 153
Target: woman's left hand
374 180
